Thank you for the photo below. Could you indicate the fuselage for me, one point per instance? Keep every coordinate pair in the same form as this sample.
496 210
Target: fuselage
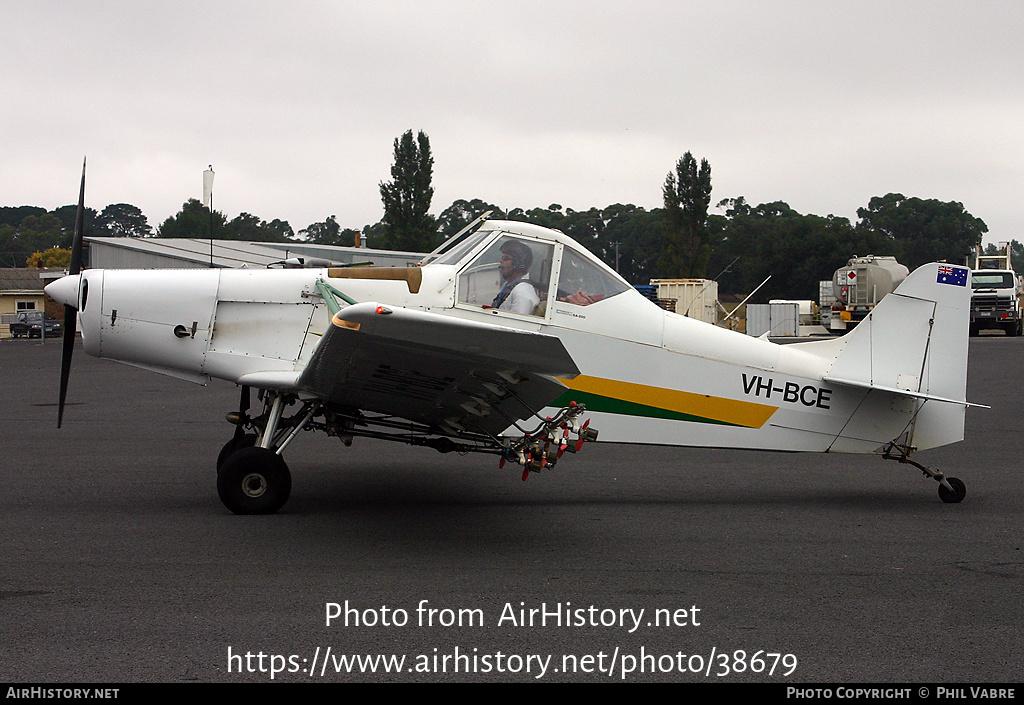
647 375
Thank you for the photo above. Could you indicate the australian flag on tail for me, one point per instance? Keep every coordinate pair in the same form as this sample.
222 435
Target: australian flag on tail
957 276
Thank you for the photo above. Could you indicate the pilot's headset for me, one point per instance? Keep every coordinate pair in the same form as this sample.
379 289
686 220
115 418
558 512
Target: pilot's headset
521 254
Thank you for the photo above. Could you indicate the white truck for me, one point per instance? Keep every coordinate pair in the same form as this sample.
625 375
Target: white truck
996 297
859 286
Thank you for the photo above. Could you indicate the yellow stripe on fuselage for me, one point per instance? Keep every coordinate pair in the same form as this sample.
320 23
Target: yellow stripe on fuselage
720 409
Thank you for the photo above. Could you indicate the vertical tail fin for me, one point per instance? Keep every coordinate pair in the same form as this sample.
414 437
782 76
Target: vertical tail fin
914 344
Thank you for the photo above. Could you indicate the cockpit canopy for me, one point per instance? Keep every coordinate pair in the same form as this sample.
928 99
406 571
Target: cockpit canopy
521 268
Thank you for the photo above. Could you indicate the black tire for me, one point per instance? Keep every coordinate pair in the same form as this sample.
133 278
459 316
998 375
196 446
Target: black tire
254 481
958 493
247 440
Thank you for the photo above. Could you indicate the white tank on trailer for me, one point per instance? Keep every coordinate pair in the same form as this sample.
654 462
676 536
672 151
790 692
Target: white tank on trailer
860 285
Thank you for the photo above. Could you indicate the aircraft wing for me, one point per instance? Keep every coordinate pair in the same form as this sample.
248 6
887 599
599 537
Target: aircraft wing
443 371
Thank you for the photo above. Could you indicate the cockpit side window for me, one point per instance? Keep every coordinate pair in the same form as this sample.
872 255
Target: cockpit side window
582 282
513 275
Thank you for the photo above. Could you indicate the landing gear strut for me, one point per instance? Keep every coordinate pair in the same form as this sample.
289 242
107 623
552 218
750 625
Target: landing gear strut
252 476
952 490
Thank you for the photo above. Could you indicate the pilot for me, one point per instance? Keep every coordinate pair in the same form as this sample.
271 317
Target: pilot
517 294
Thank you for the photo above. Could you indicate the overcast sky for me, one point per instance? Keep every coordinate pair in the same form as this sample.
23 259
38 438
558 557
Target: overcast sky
296 104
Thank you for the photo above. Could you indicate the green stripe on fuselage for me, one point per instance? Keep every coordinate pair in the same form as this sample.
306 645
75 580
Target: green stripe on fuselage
633 399
596 402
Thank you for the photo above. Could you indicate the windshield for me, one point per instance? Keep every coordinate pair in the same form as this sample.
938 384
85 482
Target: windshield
453 249
992 280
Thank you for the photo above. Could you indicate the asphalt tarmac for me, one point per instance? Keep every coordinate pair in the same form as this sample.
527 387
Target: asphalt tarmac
120 565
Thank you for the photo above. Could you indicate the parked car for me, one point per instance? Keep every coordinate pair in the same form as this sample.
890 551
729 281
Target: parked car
32 324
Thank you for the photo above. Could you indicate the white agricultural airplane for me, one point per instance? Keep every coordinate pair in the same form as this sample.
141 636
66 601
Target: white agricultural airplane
428 355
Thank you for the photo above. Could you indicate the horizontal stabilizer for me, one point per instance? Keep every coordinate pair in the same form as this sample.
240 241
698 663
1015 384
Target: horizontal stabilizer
903 392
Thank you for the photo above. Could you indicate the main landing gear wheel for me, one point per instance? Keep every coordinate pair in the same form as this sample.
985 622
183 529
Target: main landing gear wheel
958 493
254 481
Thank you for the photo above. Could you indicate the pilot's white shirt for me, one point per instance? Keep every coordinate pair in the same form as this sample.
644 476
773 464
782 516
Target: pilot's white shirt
522 299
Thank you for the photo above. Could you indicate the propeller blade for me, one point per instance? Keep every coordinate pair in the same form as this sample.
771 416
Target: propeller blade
76 242
71 312
70 324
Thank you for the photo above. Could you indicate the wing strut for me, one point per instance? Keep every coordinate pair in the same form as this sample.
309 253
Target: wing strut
331 295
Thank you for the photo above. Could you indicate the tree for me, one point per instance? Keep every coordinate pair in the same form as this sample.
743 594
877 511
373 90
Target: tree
550 217
13 215
35 233
123 220
752 242
246 226
53 257
687 195
28 229
923 230
408 225
194 220
630 241
376 235
626 237
461 213
69 213
279 229
328 232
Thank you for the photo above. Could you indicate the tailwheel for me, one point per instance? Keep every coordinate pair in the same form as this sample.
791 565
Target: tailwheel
954 495
952 490
254 481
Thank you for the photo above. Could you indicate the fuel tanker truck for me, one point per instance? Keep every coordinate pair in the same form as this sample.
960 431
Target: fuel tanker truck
859 286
